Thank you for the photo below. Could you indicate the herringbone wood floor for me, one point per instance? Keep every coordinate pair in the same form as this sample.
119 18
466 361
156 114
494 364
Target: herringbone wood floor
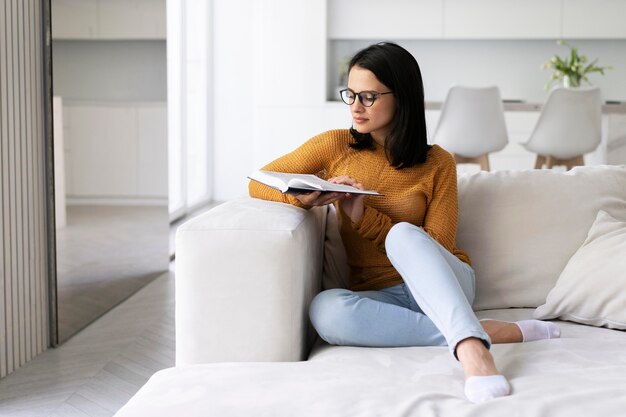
97 371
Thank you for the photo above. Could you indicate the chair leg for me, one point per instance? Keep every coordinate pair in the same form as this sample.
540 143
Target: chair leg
461 159
576 161
482 160
551 161
540 161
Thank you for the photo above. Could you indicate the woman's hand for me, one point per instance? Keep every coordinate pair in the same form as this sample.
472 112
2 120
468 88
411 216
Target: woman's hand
351 204
317 198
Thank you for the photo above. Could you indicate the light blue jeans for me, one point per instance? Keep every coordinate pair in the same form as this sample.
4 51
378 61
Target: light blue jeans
431 308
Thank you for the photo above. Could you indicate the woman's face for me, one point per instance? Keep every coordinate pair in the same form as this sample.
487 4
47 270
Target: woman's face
375 120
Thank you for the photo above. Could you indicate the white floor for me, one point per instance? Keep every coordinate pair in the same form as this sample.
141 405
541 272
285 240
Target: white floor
97 371
104 254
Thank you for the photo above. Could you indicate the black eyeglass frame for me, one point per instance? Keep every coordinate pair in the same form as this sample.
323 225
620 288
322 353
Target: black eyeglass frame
375 95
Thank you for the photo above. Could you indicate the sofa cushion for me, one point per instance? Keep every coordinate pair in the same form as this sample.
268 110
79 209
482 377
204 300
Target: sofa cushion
418 381
592 288
520 228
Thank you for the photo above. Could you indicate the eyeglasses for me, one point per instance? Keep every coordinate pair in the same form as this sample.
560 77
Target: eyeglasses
367 98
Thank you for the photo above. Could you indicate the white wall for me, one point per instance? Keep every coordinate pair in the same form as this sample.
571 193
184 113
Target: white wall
271 89
270 60
235 95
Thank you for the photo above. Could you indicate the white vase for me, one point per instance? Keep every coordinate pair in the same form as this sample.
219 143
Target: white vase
566 81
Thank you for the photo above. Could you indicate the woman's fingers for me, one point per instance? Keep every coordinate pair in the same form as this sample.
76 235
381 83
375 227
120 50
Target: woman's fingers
308 198
346 180
343 179
318 198
329 198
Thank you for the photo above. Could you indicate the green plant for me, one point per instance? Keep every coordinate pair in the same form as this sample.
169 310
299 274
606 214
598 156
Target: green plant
571 70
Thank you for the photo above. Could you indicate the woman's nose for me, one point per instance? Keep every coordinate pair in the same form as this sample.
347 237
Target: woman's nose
357 106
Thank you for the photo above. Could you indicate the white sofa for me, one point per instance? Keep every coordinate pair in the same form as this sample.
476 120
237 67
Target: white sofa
247 270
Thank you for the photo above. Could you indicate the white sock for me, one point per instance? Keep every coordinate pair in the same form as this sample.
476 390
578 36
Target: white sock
482 388
538 330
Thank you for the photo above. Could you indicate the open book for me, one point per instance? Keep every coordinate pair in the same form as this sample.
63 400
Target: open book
302 183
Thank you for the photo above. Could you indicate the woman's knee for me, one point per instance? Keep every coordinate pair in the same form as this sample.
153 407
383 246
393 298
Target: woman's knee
401 233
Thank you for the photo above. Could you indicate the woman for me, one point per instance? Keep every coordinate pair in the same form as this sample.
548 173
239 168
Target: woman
410 285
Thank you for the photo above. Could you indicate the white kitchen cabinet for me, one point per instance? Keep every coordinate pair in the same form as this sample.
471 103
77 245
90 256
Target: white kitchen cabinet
103 152
108 19
616 139
116 152
591 19
74 19
476 19
374 19
616 127
520 125
131 19
152 159
502 19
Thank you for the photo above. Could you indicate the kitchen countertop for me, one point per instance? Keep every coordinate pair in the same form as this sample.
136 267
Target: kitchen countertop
617 108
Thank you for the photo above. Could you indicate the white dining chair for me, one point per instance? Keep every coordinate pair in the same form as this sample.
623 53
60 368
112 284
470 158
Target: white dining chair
569 126
472 124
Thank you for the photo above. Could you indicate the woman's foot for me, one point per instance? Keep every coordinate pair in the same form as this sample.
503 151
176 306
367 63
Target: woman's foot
502 331
520 331
482 379
538 330
475 358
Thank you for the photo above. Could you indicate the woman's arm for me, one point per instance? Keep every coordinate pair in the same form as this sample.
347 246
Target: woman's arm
374 225
367 221
311 157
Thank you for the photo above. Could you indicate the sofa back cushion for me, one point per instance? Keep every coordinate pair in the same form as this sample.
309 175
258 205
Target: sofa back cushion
520 228
336 272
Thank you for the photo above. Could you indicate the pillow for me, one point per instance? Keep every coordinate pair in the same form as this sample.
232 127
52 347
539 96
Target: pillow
520 228
592 287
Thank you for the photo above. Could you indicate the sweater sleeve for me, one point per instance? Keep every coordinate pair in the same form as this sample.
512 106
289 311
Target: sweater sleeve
440 220
311 157
374 226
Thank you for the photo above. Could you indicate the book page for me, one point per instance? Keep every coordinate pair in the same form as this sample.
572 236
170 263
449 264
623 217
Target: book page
287 181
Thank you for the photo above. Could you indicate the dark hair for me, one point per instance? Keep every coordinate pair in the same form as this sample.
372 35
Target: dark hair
395 67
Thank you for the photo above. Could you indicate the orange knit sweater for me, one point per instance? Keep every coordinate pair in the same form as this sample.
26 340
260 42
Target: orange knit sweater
425 195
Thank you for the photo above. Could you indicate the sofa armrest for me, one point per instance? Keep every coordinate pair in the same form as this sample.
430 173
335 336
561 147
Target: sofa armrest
246 272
